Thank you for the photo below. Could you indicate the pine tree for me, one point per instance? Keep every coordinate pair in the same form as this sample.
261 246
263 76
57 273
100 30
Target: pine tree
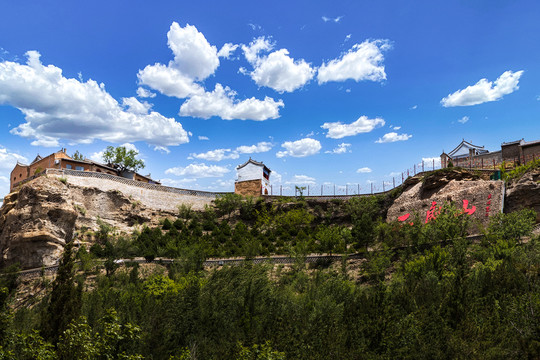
65 300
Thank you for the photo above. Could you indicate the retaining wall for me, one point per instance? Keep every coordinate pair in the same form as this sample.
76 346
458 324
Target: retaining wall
153 196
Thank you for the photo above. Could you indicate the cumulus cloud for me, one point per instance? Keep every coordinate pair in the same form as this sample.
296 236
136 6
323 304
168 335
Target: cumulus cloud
252 149
145 93
222 102
194 60
203 138
338 130
179 183
301 180
226 50
57 108
224 154
393 137
484 90
363 170
276 70
463 120
341 149
300 148
362 62
216 155
198 171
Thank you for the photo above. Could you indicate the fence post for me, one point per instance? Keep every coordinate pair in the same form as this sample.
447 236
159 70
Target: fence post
433 164
346 189
383 186
321 190
271 189
371 188
280 190
358 193
308 190
334 189
422 165
493 164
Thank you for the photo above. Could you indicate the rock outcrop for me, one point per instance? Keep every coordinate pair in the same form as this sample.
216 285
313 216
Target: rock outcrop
524 193
479 198
38 219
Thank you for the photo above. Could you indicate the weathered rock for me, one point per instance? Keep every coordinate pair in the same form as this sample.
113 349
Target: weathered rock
37 220
452 186
524 193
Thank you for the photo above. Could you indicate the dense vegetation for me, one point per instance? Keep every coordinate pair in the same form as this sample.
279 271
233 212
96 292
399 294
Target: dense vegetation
422 291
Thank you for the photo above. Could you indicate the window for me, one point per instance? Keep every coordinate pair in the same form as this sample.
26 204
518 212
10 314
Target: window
68 166
80 168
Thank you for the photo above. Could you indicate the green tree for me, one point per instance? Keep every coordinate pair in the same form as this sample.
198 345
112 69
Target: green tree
65 301
122 158
77 156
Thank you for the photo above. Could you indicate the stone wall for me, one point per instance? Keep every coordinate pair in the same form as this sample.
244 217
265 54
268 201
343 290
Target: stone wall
152 196
248 188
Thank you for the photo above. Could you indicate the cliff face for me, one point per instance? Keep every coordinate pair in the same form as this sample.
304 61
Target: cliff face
36 220
478 198
524 193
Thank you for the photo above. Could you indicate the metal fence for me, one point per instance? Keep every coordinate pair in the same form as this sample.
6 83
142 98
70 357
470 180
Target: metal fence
348 190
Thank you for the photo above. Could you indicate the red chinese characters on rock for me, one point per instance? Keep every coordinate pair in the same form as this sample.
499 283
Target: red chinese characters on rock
434 211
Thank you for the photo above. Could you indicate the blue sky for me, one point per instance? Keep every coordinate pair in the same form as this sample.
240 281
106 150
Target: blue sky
323 92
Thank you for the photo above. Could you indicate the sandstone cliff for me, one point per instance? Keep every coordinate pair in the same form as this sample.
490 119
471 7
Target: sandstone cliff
477 197
524 193
36 220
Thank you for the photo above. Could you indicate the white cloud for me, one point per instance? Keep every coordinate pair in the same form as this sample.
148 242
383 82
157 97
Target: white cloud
221 102
341 149
180 183
57 108
226 50
301 180
134 106
8 159
144 93
393 137
198 171
429 161
395 127
362 62
338 130
300 148
216 155
363 170
276 70
414 107
336 19
224 154
193 55
203 138
168 81
252 149
484 91
463 120
194 60
275 177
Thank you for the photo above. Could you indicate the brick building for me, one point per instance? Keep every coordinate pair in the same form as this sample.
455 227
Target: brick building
61 160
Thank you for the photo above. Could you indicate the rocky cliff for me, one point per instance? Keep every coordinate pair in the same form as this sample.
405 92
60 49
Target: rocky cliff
36 220
477 197
524 193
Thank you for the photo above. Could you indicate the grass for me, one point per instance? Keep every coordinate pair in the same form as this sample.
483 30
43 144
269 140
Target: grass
519 171
63 180
80 209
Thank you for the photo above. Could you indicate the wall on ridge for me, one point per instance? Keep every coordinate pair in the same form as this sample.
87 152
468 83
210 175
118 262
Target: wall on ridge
152 196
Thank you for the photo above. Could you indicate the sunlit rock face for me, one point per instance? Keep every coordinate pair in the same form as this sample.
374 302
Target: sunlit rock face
476 197
524 193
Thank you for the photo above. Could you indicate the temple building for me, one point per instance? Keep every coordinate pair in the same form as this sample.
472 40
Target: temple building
62 161
466 154
253 179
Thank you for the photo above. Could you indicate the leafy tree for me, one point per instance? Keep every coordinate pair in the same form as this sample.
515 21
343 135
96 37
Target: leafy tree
77 156
122 158
228 203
